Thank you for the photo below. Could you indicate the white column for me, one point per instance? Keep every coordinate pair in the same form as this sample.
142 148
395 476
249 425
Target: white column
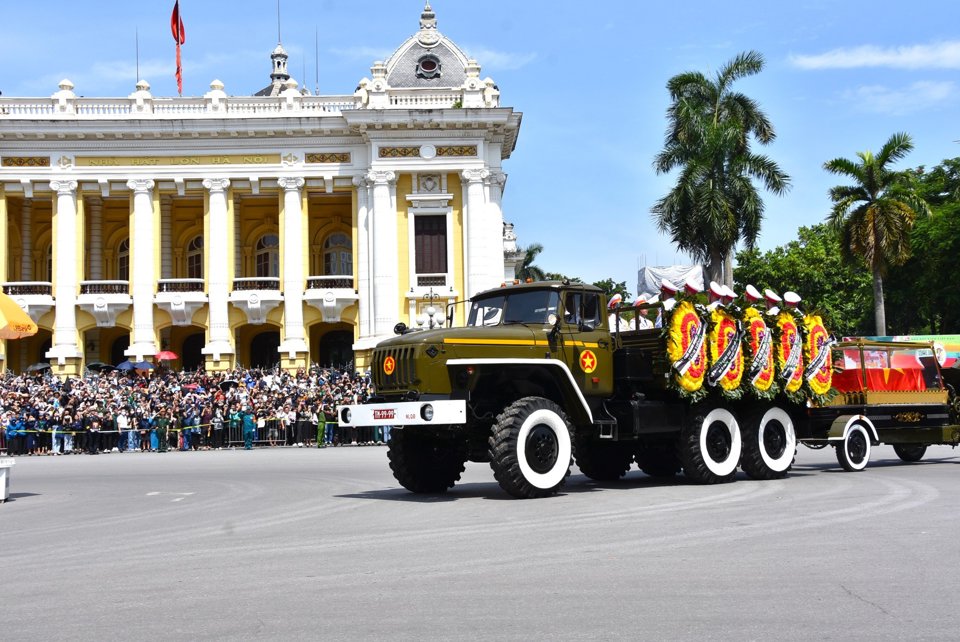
385 255
478 251
26 231
495 184
293 278
217 238
166 248
95 207
143 280
65 291
364 255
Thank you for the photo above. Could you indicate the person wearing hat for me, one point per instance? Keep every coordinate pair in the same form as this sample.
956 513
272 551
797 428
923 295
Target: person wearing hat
249 427
728 295
614 321
715 295
668 294
792 299
640 320
773 302
752 295
691 288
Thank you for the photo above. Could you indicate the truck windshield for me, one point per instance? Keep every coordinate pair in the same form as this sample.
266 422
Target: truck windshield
533 306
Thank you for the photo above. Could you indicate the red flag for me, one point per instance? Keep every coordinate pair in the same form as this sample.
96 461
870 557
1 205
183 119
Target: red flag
179 36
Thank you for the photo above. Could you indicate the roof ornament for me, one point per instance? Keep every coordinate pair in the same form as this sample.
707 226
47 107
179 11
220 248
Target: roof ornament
428 35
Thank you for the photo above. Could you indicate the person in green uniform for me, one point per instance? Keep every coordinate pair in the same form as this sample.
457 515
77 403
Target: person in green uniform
249 427
162 423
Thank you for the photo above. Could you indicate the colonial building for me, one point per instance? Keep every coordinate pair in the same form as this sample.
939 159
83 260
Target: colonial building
254 229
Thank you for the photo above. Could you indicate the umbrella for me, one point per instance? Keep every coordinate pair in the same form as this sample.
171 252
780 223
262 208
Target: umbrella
98 366
226 384
126 365
143 365
166 355
14 322
38 367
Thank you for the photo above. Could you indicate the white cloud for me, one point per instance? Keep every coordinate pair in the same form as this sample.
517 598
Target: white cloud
941 55
918 96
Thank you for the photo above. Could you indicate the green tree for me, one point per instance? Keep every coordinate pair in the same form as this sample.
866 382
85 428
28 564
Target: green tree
813 266
715 203
876 213
922 297
611 287
527 269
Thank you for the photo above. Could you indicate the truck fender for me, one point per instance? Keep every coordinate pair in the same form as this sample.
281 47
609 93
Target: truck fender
841 426
565 379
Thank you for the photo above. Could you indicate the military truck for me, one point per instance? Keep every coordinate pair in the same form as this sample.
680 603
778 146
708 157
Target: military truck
537 379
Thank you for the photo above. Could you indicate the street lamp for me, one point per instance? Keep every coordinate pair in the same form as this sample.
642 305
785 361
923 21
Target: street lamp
431 311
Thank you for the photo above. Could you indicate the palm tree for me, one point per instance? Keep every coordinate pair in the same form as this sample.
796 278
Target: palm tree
876 214
527 269
715 203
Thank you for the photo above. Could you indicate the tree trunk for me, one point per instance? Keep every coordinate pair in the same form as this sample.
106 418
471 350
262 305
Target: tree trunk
728 269
714 269
879 311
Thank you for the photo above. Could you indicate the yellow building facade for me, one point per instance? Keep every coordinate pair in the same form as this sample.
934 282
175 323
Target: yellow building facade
280 228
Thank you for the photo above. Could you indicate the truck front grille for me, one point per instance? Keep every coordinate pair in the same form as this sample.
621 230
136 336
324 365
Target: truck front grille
404 371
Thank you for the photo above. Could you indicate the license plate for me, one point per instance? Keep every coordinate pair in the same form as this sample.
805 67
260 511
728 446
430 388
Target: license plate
384 414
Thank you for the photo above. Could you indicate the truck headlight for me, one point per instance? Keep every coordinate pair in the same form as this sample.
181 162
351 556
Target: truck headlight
426 412
345 416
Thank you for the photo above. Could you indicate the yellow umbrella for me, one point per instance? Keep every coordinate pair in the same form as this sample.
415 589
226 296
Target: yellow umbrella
14 322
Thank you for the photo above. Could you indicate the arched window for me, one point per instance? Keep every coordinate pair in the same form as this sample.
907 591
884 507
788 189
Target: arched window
195 258
268 255
337 255
123 260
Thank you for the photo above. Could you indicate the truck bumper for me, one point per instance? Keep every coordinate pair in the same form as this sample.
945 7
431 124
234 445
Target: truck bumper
404 413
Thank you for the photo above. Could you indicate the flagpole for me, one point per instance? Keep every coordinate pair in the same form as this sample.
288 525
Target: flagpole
137 40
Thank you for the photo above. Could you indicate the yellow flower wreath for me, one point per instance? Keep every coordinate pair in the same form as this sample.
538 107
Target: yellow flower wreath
684 324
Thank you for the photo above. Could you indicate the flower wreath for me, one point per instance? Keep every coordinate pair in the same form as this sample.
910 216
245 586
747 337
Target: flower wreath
686 349
758 348
818 374
726 353
789 349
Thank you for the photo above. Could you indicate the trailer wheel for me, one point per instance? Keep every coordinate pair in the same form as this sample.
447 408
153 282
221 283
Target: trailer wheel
909 453
769 443
423 462
658 460
603 460
530 448
710 445
853 453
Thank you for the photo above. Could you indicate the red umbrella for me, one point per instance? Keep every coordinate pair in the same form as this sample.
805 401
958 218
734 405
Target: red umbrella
165 355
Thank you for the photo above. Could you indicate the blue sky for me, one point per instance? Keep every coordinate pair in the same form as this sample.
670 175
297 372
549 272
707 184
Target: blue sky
589 77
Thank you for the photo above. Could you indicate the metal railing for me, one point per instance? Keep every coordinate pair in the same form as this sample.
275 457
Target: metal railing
257 283
28 287
104 287
329 282
180 285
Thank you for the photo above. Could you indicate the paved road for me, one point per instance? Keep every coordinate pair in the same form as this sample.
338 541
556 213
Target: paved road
306 543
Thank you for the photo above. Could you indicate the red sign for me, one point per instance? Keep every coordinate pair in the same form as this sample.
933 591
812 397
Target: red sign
389 413
588 361
389 365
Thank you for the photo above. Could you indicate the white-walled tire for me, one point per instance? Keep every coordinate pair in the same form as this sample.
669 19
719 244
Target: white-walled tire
853 453
769 443
710 445
530 448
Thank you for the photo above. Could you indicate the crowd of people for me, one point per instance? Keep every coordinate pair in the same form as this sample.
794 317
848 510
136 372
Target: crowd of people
160 410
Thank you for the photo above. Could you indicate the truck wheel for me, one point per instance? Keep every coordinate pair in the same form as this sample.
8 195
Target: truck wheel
769 443
710 445
530 449
909 453
424 463
658 461
853 453
603 460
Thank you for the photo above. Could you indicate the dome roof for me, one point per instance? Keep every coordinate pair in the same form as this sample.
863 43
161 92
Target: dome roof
427 59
